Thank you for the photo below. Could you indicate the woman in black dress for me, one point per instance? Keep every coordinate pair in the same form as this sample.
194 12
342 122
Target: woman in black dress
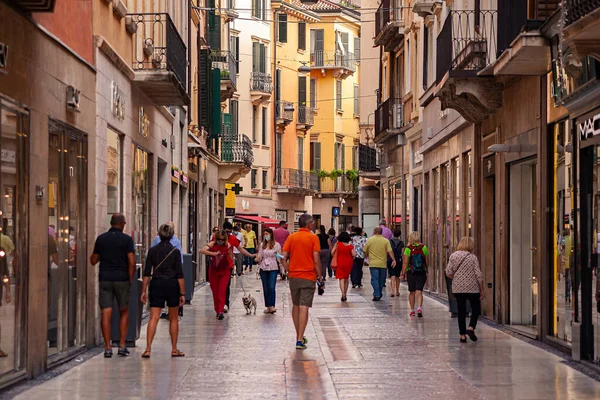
164 273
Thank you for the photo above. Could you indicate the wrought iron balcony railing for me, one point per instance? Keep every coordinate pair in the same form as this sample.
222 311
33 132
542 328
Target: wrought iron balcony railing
467 42
226 63
388 18
261 82
332 59
157 46
367 159
295 178
237 151
306 115
281 113
389 115
341 184
574 10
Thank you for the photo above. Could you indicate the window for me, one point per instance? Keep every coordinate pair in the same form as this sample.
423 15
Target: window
300 153
235 116
345 38
264 179
338 95
313 93
425 57
264 126
259 57
356 101
282 28
254 120
315 156
259 9
354 155
302 91
336 153
253 184
302 35
357 48
235 51
408 66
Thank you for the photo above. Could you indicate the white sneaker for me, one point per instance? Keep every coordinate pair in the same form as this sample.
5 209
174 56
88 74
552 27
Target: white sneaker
225 309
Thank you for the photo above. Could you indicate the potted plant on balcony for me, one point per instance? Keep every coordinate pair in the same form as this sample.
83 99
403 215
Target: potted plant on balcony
336 173
322 174
352 175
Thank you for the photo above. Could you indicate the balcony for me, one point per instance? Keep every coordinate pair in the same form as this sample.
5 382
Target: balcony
334 187
261 87
306 118
282 116
229 12
342 65
225 62
236 157
35 5
295 181
389 25
582 27
367 159
160 60
423 8
466 45
389 119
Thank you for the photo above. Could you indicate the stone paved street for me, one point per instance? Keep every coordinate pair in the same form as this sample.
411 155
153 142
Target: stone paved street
358 349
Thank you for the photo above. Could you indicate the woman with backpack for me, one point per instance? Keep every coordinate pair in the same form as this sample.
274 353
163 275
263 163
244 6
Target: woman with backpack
467 284
415 259
344 251
396 272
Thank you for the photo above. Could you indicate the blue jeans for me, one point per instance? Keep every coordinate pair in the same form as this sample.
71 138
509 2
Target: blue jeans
378 276
249 261
269 280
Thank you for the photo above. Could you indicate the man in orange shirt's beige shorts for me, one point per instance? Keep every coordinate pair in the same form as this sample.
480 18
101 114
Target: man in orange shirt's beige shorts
304 266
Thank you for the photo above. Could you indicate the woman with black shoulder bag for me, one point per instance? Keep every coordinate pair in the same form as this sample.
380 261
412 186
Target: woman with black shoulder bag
467 284
164 273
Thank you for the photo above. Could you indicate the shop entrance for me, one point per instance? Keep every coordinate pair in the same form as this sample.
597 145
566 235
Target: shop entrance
522 240
67 257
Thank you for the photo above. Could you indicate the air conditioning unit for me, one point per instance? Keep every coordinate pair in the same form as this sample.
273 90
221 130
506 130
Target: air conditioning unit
398 116
443 114
429 133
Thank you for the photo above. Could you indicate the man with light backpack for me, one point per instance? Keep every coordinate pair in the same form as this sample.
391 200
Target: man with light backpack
415 260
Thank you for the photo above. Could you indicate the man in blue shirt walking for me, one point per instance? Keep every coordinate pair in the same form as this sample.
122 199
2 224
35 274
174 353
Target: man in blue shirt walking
175 242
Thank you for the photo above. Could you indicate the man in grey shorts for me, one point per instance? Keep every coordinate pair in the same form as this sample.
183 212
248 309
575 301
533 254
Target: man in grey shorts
304 267
116 253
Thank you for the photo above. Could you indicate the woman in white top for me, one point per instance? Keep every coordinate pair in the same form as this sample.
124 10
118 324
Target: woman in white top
268 253
467 284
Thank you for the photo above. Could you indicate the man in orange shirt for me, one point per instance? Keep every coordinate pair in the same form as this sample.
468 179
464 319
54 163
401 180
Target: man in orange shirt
304 267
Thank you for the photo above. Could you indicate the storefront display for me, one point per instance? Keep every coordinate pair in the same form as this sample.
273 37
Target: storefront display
140 203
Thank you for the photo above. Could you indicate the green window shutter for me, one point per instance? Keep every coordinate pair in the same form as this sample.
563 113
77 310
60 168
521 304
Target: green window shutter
302 90
317 147
357 48
336 148
354 150
313 93
300 153
343 157
214 29
282 28
215 104
263 58
356 100
204 89
302 35
255 56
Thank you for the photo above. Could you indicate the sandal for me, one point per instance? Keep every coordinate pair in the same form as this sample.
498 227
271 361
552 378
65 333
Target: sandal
177 354
273 311
146 354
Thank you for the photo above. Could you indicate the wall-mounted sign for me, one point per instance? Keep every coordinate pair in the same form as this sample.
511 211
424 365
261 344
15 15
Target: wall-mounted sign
9 156
73 97
144 123
117 102
230 196
489 166
589 127
297 215
281 215
3 57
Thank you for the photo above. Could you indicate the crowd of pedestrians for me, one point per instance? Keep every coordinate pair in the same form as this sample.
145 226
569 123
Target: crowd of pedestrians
306 258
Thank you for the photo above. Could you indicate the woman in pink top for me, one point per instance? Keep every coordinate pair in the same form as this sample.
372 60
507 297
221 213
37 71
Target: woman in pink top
345 259
269 252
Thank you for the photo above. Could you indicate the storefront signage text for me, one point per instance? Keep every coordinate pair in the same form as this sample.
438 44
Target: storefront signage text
590 127
3 57
117 102
144 123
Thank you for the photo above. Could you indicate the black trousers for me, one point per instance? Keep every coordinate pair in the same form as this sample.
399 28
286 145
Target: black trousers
356 274
461 299
228 292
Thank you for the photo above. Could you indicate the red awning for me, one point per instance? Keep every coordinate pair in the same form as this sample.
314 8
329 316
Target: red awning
269 223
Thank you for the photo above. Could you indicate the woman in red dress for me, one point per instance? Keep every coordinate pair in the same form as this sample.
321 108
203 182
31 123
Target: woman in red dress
345 259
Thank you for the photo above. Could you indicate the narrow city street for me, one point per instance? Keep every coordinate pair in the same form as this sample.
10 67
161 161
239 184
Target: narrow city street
359 349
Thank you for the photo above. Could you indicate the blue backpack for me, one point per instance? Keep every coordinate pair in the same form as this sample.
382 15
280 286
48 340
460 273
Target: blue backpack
417 259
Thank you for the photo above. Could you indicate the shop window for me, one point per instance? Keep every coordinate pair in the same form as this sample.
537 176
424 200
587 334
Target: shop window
67 222
140 200
14 134
114 159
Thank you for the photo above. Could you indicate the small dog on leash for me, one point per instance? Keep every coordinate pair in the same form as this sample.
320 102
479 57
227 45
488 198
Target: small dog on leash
249 303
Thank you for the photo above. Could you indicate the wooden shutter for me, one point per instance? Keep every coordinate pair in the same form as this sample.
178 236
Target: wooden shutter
343 157
264 126
319 40
282 28
253 179
336 148
338 94
215 105
302 90
313 93
237 53
302 35
278 85
357 48
264 179
300 153
317 161
356 111
345 38
425 57
204 89
255 56
263 58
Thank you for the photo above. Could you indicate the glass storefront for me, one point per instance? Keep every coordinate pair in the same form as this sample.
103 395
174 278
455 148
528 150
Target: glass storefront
114 159
67 207
14 136
562 279
140 203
